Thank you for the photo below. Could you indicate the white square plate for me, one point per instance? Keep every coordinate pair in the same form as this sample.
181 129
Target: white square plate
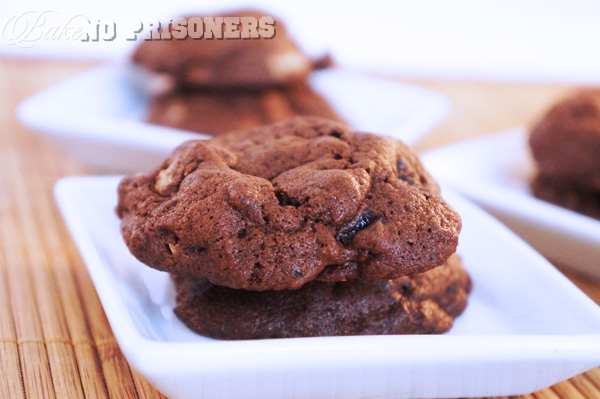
494 172
525 328
98 116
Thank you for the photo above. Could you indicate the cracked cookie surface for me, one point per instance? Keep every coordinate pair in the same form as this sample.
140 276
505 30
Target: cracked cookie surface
278 206
423 304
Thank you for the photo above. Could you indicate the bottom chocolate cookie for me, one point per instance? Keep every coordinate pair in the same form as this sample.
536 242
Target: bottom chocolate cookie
219 112
567 195
426 303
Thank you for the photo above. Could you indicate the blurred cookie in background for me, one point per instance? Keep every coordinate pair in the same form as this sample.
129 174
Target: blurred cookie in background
218 112
241 49
565 144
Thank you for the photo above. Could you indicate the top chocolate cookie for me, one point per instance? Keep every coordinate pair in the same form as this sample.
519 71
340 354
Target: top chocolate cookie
251 59
278 206
565 142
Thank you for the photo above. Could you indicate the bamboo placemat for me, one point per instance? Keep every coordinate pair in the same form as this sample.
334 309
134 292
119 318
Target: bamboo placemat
55 340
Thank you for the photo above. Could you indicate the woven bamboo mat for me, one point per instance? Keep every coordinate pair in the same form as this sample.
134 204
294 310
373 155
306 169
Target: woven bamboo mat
55 340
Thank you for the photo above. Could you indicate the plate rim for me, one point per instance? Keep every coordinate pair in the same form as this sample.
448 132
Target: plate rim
34 113
144 353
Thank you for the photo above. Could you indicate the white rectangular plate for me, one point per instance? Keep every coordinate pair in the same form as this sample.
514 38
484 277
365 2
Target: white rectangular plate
98 116
495 171
526 326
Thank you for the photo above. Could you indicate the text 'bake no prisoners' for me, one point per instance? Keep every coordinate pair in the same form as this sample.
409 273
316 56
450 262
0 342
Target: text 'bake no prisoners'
25 29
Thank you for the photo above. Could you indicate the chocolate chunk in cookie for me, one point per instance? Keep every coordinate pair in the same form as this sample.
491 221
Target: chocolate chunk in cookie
423 304
278 206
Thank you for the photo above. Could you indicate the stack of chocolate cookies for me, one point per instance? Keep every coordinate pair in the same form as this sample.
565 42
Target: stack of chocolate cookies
301 228
214 86
565 144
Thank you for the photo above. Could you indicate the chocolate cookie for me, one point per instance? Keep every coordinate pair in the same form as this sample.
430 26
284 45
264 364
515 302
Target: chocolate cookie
278 206
565 143
212 62
423 304
567 195
218 112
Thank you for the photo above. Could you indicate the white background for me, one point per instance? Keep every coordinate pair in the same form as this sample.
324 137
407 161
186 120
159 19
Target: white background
556 40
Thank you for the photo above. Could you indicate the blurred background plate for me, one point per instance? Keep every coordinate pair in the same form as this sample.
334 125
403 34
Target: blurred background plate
98 116
494 171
